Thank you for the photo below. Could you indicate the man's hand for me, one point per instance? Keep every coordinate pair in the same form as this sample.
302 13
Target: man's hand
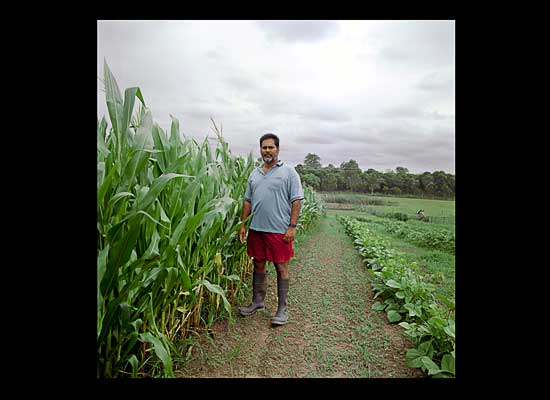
289 234
242 234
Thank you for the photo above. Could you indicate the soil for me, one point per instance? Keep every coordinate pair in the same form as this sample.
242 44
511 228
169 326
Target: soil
332 331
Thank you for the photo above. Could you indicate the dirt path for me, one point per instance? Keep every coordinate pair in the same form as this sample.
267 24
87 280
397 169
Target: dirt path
332 330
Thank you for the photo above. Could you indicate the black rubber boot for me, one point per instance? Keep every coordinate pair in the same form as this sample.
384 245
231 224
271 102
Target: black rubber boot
281 317
259 288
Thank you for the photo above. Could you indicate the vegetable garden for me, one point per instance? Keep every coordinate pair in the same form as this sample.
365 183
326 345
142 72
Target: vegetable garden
169 262
406 294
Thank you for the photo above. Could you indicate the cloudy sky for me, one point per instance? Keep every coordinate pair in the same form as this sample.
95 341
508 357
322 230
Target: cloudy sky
379 92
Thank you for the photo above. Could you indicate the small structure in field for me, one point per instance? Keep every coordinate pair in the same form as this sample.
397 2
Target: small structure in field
421 216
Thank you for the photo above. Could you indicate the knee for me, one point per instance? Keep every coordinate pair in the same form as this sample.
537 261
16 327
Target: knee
259 265
282 270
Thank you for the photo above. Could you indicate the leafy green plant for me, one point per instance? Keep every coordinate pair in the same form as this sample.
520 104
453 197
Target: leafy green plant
167 214
434 238
427 317
312 208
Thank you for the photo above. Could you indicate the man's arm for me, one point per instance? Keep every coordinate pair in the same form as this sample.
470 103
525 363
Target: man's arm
294 214
246 212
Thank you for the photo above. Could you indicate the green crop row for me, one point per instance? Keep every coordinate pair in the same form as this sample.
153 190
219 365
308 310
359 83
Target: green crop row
405 295
433 238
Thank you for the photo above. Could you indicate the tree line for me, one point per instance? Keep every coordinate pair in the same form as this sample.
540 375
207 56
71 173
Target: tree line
349 177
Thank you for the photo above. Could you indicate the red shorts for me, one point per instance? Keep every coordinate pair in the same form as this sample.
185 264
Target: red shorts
269 246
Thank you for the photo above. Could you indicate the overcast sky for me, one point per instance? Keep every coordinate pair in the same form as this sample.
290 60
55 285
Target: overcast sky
379 92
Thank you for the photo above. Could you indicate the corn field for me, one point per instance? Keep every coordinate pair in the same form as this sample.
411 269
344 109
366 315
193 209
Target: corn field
168 258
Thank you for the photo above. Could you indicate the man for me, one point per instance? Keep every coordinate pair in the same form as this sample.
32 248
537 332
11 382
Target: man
273 195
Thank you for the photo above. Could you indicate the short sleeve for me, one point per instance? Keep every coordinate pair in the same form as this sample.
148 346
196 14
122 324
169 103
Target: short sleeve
296 191
248 192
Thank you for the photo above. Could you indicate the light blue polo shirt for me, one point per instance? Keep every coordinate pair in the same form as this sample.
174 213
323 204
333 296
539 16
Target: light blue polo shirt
271 195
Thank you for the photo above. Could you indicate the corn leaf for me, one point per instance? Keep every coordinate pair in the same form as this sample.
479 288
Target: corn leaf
162 352
217 290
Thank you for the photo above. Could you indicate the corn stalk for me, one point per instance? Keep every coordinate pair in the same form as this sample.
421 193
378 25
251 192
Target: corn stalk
166 205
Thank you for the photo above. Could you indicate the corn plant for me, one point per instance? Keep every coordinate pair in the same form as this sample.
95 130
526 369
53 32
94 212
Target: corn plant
312 208
168 258
168 210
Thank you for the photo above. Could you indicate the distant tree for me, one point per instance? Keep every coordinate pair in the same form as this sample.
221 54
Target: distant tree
351 165
329 182
382 183
368 182
311 180
413 185
374 180
451 179
312 161
401 170
349 177
405 180
426 183
352 175
395 190
441 185
341 183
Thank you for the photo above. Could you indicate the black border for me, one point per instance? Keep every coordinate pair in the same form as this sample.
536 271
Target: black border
86 34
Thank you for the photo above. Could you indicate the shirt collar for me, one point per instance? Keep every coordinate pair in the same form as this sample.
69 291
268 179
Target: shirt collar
279 163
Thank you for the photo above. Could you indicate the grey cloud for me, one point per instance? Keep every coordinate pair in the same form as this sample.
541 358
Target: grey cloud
418 146
436 115
379 128
313 139
214 55
389 145
413 112
299 31
328 113
401 112
425 43
415 156
240 82
360 137
260 92
400 55
199 114
436 81
274 99
300 106
126 32
395 53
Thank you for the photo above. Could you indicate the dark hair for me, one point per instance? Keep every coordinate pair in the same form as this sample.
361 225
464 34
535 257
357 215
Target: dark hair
270 136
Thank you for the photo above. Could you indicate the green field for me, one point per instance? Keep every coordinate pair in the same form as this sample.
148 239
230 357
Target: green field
431 259
436 208
440 264
412 270
438 212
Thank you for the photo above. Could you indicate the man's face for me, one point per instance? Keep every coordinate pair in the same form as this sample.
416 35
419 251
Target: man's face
269 151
